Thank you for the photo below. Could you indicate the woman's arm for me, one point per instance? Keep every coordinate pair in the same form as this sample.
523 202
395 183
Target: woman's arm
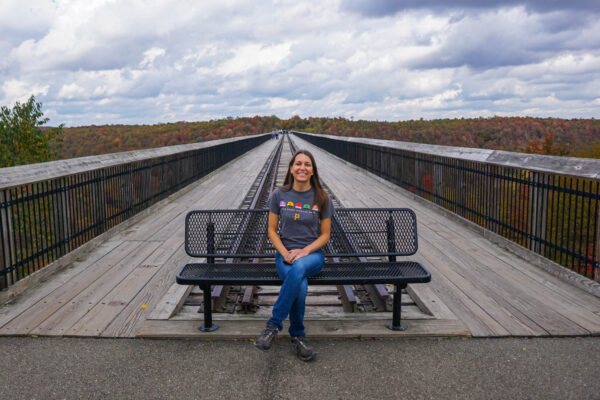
275 239
321 241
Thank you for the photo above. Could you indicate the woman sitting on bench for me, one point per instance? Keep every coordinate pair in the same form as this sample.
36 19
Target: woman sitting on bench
303 210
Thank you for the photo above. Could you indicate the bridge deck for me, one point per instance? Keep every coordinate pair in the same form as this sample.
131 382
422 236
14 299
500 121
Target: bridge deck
494 292
125 287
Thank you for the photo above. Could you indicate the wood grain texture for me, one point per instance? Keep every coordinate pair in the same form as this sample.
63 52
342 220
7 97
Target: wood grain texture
348 329
493 291
103 294
20 175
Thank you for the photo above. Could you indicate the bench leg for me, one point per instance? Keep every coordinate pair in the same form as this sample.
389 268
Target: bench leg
208 325
396 325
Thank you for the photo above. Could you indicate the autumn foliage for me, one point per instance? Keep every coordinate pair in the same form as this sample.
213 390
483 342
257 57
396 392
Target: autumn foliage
574 137
93 140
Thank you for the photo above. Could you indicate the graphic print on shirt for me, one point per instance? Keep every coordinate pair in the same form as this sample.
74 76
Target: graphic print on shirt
298 211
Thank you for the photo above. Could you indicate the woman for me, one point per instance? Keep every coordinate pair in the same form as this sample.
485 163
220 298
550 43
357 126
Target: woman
303 210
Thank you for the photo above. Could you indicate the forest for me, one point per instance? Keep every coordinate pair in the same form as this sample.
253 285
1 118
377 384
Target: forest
554 136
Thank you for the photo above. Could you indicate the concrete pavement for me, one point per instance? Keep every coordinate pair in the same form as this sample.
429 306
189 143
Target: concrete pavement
69 368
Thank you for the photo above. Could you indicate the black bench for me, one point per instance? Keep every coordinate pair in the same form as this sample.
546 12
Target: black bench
238 252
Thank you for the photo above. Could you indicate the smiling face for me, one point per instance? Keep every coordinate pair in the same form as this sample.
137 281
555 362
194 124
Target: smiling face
302 169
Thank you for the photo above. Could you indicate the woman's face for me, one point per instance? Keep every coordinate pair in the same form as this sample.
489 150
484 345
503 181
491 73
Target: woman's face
302 168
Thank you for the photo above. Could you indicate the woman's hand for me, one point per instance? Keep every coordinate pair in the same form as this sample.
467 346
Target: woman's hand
295 255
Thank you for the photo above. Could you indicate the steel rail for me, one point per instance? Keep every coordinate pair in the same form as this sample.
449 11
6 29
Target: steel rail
257 191
349 302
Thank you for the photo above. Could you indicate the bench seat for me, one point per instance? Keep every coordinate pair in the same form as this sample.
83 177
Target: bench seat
399 272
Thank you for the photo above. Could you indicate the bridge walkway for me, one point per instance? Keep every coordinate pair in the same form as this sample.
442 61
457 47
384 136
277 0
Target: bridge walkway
125 286
494 292
111 290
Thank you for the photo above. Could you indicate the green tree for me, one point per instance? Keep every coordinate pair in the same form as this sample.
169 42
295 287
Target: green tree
22 138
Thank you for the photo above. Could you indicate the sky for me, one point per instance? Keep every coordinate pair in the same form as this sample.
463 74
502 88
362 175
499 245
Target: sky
151 61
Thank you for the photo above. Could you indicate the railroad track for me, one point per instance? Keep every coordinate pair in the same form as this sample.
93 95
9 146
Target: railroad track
232 299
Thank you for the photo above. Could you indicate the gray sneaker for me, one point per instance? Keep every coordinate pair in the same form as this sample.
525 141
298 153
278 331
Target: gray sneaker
266 338
302 349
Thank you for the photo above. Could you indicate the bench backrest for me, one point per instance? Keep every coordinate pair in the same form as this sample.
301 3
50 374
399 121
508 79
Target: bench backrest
355 232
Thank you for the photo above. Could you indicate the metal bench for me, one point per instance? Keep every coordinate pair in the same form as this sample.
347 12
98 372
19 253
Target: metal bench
238 252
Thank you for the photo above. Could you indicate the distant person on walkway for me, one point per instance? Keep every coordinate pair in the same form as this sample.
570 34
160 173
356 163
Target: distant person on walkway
302 210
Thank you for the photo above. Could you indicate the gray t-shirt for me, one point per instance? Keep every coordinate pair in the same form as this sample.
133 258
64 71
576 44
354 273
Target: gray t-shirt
299 221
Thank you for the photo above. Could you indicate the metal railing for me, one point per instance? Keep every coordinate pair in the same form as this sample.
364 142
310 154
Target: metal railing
49 209
549 205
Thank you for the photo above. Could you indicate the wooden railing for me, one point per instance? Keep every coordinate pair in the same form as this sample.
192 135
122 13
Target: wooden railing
49 209
546 204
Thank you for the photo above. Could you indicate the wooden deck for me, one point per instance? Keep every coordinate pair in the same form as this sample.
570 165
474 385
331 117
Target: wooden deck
492 291
125 286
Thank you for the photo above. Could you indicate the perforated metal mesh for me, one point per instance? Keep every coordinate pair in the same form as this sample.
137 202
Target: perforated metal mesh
235 233
365 231
354 232
339 273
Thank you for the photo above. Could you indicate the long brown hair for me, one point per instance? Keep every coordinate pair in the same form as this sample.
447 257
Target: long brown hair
321 197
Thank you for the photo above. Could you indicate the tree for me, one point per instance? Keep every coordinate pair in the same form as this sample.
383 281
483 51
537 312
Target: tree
22 138
547 146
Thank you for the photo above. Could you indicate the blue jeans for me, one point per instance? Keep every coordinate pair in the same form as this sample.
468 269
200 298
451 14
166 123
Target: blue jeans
292 295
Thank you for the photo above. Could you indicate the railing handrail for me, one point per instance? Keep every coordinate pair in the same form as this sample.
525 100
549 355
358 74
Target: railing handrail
38 172
48 210
561 165
546 205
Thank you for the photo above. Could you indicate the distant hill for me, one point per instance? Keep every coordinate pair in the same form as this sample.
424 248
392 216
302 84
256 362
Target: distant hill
574 137
91 140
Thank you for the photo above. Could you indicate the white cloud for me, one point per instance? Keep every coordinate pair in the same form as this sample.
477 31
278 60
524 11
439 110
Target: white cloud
71 91
150 55
254 55
16 90
145 62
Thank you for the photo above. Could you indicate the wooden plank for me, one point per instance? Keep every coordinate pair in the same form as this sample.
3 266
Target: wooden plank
542 280
569 293
229 330
274 290
519 306
17 306
313 313
429 302
125 299
479 322
134 314
460 270
66 316
171 301
103 313
54 301
533 300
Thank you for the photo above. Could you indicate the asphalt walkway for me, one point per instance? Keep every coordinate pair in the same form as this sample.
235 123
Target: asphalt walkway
75 368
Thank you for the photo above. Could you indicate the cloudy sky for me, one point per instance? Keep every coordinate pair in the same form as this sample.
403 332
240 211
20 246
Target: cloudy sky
151 61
